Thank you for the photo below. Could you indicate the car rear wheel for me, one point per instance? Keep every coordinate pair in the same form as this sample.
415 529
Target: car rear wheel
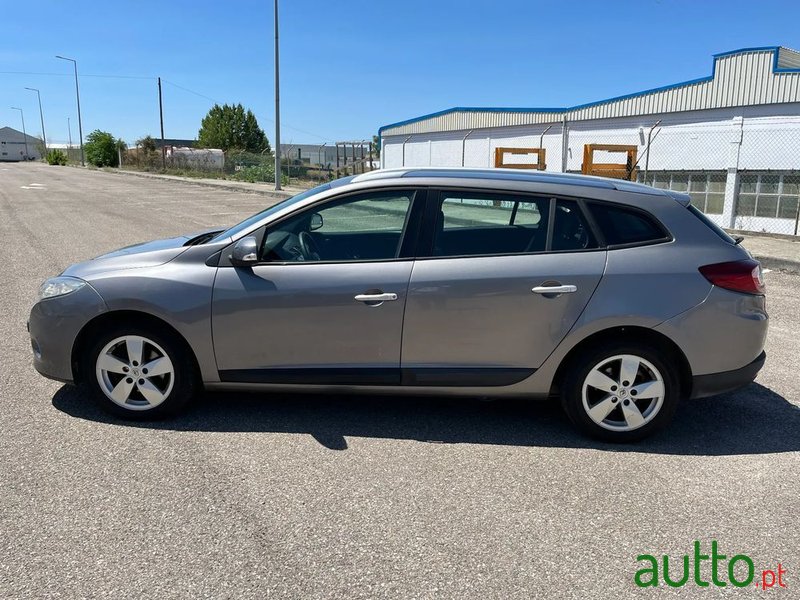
139 374
621 393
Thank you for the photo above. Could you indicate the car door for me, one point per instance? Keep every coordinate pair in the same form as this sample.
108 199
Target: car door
325 302
505 278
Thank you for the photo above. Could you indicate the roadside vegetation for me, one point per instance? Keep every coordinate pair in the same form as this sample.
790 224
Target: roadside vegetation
233 129
102 149
230 144
56 157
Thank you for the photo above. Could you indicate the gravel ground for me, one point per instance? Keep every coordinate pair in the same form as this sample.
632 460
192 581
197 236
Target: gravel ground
253 496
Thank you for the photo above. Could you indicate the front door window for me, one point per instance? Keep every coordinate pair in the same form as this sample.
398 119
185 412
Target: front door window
363 227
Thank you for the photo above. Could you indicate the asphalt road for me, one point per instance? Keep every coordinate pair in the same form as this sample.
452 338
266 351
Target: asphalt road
253 496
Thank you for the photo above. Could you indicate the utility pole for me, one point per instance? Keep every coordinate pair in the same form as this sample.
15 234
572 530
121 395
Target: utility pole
69 133
78 97
319 160
161 117
277 108
24 134
41 116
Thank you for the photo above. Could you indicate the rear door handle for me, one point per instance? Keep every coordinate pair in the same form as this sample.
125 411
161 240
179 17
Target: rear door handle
382 297
555 289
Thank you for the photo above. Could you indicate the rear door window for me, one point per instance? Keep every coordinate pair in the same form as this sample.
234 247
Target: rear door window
480 224
570 229
473 224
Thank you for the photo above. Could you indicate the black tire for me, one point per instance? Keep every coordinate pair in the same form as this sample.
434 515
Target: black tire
184 378
579 369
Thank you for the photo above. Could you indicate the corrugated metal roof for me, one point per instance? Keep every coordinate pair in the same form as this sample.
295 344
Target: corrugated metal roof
745 77
12 136
788 59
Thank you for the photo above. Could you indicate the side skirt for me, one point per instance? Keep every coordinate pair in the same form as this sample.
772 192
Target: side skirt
379 376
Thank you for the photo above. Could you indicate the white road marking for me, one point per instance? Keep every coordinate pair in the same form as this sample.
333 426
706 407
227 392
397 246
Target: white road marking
765 271
33 187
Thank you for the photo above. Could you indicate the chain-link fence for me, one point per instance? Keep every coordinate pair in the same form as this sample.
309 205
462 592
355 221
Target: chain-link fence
301 165
743 172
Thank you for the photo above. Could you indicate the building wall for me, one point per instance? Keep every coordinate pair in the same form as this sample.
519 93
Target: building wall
15 151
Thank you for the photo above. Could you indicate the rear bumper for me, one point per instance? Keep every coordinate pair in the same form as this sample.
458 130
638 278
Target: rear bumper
718 383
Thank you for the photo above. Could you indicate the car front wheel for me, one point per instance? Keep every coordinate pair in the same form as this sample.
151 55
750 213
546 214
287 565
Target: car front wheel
139 374
622 393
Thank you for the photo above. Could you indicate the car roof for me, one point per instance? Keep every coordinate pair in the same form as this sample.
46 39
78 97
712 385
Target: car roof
518 176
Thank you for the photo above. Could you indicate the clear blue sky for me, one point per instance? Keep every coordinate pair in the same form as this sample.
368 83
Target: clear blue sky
349 67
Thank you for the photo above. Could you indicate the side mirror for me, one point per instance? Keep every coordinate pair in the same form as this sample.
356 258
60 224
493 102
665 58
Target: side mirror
245 252
316 222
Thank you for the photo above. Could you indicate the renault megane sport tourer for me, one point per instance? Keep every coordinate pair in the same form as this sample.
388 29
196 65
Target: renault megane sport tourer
616 298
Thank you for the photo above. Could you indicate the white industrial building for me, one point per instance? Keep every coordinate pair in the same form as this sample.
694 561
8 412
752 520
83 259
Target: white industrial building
732 139
16 146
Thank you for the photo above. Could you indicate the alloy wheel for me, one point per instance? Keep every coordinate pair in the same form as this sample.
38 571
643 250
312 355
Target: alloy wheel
135 373
623 392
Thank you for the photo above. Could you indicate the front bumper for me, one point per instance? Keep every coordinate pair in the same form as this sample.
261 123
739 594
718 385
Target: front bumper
54 325
718 383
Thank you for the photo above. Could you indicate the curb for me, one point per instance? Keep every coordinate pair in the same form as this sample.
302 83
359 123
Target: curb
779 264
224 186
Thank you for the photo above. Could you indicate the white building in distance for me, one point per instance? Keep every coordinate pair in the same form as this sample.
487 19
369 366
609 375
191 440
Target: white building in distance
14 146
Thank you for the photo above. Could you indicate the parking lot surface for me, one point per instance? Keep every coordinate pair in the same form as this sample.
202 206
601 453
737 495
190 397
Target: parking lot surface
310 496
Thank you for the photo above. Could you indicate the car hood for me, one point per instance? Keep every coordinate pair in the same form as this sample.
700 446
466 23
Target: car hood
148 254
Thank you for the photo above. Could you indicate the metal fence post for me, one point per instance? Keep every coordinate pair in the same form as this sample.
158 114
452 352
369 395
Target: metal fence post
464 146
797 218
403 164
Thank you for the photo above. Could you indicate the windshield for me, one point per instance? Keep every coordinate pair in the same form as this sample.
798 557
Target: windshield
250 221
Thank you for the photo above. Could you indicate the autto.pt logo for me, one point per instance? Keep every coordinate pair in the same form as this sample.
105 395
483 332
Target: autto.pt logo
707 569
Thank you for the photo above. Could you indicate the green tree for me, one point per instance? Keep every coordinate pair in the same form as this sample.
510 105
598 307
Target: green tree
230 127
147 144
101 149
376 146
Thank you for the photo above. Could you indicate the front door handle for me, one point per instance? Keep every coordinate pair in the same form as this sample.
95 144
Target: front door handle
376 299
555 289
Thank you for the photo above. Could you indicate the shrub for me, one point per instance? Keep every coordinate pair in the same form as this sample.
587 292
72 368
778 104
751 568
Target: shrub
101 149
258 174
255 173
56 157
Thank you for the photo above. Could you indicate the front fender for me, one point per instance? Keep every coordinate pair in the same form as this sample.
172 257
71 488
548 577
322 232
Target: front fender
177 293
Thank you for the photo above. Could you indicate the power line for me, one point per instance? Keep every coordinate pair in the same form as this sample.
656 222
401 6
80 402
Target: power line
120 77
283 123
34 73
70 75
185 89
180 87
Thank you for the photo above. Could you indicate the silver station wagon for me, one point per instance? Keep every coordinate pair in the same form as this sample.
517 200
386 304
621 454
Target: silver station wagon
616 298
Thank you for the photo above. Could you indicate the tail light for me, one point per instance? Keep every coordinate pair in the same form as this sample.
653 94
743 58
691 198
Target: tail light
739 276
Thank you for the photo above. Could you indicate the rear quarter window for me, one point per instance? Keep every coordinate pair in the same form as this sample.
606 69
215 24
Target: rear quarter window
711 225
622 226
